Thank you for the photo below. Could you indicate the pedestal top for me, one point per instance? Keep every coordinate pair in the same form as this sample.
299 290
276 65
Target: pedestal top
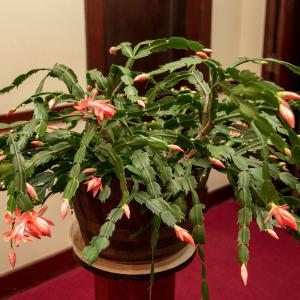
121 270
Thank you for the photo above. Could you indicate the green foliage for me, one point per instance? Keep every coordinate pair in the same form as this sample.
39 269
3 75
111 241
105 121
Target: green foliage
233 116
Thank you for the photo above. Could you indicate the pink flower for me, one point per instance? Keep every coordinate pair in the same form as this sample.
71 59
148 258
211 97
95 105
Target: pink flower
37 143
64 209
89 171
141 77
272 233
17 234
31 191
38 225
282 216
101 109
287 95
12 257
175 148
183 235
244 274
2 157
202 55
94 184
112 51
8 218
217 163
287 114
126 210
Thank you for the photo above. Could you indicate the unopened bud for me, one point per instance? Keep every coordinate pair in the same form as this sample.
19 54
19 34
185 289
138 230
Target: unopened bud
141 103
126 209
112 50
207 50
202 55
287 152
141 78
175 148
272 233
244 274
51 104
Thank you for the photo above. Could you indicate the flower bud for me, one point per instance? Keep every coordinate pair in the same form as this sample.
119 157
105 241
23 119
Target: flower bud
51 104
244 274
10 112
175 148
287 95
2 157
141 77
12 257
89 171
64 209
52 127
273 157
287 115
287 152
141 103
217 163
126 209
272 233
207 50
37 143
202 55
112 50
31 191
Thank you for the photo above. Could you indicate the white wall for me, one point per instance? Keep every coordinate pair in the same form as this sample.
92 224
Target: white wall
37 33
238 30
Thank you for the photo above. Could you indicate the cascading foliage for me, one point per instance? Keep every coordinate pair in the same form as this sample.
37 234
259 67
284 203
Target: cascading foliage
168 127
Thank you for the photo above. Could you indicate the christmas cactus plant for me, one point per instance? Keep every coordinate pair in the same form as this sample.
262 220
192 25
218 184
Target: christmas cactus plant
168 127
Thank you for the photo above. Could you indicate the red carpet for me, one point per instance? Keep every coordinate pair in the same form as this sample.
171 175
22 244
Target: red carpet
274 269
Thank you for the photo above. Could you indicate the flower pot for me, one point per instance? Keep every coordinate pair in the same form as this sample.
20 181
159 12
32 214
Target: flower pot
130 241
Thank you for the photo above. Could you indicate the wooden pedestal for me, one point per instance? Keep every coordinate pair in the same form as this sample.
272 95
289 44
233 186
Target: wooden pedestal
115 280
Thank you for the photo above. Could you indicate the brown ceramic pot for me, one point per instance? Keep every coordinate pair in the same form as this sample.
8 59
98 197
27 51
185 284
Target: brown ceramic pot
125 245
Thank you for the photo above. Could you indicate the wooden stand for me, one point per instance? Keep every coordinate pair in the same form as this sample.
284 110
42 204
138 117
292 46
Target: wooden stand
115 280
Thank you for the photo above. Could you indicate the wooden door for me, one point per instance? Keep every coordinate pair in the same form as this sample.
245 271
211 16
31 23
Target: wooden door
109 22
282 40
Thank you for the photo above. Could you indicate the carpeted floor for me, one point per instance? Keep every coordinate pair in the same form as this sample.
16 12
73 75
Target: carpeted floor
274 268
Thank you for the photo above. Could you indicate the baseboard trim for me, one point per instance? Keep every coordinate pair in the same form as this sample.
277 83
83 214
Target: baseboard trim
53 266
39 272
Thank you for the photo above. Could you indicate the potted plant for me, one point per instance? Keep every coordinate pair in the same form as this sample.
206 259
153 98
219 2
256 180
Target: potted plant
148 144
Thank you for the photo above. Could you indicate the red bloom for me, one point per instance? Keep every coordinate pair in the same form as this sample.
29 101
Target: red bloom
217 163
17 234
175 148
8 218
94 184
38 225
101 109
282 216
184 235
12 257
287 114
287 95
